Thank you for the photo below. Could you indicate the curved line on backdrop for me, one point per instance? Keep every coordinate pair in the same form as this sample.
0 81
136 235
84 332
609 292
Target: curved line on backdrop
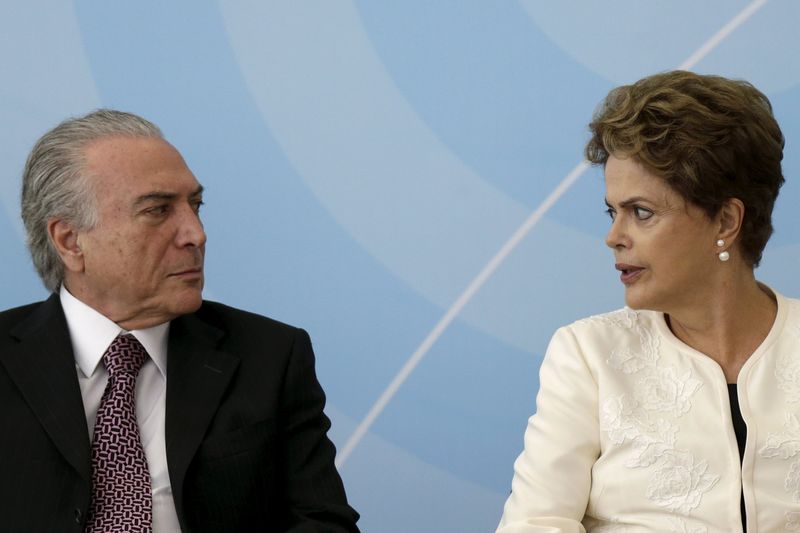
505 250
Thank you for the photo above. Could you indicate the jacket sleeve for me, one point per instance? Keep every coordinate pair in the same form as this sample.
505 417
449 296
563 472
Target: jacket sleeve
553 475
314 491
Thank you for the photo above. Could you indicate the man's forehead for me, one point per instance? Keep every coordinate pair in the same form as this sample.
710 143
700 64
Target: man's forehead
143 164
125 149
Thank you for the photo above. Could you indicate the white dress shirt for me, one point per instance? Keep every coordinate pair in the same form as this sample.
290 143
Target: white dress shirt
91 334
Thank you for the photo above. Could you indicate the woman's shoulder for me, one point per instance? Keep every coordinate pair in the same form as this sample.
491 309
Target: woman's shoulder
625 320
621 330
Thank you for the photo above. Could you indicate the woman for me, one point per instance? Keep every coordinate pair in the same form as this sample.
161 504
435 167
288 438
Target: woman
680 412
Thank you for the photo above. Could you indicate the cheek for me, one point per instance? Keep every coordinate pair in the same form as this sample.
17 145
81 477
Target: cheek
130 255
681 257
155 257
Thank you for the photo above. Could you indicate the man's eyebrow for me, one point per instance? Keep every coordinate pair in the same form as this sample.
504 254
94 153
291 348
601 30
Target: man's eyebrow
154 196
163 195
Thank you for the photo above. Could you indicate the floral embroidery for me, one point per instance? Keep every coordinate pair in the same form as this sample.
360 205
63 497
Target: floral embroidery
650 448
627 361
663 391
646 419
679 526
792 521
631 361
792 481
621 318
785 444
680 482
794 308
619 419
787 372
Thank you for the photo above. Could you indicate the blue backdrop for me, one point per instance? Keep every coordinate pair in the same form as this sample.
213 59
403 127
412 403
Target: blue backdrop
403 180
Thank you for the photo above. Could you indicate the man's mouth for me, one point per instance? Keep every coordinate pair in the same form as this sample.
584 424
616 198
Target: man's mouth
189 272
628 273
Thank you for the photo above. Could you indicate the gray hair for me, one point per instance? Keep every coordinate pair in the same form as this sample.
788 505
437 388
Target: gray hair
55 184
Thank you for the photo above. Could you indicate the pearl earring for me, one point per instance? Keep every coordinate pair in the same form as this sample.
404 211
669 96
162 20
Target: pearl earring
723 255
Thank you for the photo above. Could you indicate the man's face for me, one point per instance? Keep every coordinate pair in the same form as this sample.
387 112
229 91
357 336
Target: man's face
143 260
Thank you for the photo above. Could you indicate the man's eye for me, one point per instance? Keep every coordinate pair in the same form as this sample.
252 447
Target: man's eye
157 210
642 213
197 205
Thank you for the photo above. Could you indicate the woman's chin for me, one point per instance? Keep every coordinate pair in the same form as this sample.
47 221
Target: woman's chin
635 300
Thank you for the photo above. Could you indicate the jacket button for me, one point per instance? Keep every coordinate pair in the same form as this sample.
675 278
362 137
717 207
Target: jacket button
78 516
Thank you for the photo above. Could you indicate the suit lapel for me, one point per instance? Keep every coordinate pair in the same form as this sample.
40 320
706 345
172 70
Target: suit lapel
42 366
197 376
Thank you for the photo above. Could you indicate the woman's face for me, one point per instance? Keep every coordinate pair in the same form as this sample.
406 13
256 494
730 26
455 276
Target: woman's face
664 247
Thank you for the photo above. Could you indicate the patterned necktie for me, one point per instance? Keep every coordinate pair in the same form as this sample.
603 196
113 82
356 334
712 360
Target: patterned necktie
121 497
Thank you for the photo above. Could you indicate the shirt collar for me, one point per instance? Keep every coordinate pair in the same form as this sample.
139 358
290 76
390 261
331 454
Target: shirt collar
92 333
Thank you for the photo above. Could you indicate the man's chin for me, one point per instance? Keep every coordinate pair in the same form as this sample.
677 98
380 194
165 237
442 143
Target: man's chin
187 302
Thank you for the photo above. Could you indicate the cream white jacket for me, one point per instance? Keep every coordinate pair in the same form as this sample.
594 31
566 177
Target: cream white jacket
633 433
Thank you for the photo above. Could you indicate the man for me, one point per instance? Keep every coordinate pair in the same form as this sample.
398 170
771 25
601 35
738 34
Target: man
126 402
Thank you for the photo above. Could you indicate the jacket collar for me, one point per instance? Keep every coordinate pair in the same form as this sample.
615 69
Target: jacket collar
198 374
42 366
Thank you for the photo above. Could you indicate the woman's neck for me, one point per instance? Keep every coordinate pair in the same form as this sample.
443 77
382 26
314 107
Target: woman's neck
728 324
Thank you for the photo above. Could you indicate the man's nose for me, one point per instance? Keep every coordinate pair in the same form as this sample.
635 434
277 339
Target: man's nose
191 232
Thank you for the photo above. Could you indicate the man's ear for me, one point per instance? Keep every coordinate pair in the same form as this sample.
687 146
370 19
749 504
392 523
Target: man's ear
65 239
730 218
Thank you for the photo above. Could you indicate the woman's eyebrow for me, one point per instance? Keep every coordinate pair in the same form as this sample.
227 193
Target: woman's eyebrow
630 201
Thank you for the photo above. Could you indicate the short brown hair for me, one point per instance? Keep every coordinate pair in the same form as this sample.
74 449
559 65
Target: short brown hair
708 137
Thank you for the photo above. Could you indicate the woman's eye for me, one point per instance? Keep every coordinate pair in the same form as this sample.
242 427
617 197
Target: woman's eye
642 213
612 214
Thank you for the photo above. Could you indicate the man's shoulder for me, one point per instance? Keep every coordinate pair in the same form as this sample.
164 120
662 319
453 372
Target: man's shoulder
234 320
237 331
20 311
16 315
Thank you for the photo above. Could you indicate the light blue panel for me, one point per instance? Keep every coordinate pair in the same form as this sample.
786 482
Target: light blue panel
401 493
626 38
473 393
271 248
18 284
364 161
487 86
363 150
45 79
786 217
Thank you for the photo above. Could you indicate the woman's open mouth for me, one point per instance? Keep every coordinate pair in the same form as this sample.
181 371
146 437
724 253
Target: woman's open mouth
628 273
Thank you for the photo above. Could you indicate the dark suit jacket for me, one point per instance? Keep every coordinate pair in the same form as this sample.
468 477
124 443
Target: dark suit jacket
245 432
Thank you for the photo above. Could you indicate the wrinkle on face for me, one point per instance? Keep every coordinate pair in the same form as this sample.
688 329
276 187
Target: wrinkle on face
674 246
143 260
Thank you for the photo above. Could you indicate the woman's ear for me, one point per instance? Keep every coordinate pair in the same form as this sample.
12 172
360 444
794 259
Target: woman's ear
730 218
729 224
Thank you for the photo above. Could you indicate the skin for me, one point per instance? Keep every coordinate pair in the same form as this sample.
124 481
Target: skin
142 264
666 250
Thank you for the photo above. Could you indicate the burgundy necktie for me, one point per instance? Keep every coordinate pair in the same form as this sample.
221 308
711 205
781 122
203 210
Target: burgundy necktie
121 497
